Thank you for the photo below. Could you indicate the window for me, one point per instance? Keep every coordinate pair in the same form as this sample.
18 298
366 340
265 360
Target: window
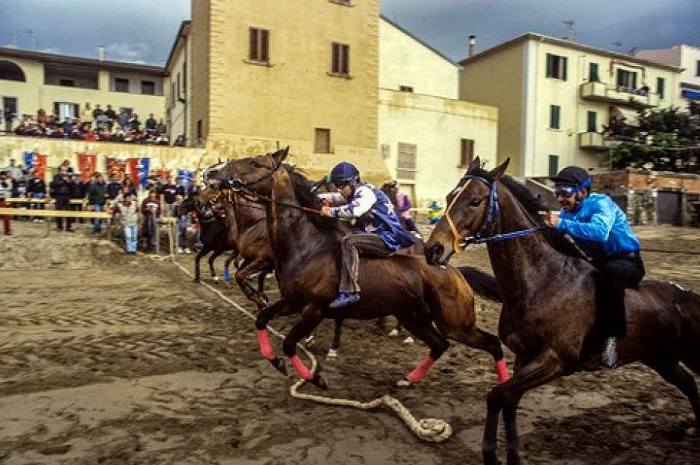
554 111
259 45
593 72
660 84
556 67
65 110
121 85
184 79
626 79
322 142
10 71
173 99
66 82
406 88
340 61
148 87
179 88
406 165
466 153
200 131
553 165
591 121
341 2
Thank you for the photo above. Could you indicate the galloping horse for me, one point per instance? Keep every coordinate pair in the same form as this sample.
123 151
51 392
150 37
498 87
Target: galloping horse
549 305
306 249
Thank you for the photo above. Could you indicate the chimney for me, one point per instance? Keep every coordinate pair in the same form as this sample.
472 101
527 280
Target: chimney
472 45
101 53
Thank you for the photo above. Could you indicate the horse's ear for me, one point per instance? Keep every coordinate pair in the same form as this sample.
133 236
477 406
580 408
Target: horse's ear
475 164
500 170
281 154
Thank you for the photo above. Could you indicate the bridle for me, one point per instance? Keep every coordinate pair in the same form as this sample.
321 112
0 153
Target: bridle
460 242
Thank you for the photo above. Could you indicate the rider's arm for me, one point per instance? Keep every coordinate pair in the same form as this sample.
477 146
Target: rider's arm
597 229
334 198
360 204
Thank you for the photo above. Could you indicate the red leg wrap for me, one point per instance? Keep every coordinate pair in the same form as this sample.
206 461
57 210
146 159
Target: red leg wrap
264 344
420 371
301 369
502 371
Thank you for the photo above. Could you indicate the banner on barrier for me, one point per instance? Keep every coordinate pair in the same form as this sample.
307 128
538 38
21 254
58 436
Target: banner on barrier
87 164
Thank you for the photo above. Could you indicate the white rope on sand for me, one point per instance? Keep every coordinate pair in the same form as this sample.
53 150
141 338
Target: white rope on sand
427 429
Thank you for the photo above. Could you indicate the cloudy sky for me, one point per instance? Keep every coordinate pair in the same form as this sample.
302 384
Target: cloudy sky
134 30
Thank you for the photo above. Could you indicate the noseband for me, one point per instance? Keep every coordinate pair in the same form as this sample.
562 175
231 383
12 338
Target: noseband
492 212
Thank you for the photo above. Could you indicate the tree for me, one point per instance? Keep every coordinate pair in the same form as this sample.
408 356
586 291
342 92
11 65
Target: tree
668 139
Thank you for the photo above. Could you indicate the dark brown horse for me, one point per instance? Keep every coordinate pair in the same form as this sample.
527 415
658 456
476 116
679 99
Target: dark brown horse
306 250
549 306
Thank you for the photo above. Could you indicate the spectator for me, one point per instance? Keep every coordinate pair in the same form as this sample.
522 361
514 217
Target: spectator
102 122
41 116
86 114
80 191
65 167
19 183
151 124
61 190
180 141
126 206
130 187
150 207
67 127
96 194
114 187
182 223
12 170
161 128
134 123
4 188
36 189
9 117
96 112
111 115
123 119
169 192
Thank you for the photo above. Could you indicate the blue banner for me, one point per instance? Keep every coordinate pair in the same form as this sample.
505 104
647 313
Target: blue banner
28 159
143 167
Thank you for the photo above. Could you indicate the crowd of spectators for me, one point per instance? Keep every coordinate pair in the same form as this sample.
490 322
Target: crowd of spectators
136 207
92 125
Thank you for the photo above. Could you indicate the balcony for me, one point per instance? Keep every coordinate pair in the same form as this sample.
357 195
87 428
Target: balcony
618 95
593 141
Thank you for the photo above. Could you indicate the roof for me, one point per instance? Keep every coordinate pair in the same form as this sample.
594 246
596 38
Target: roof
181 33
566 43
79 61
420 41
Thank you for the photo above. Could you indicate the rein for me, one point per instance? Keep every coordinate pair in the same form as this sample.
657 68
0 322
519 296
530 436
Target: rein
461 242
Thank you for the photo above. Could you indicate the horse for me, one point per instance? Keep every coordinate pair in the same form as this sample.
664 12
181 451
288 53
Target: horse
549 314
306 249
212 235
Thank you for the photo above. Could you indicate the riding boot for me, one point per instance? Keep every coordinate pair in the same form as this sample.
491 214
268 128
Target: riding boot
344 299
609 357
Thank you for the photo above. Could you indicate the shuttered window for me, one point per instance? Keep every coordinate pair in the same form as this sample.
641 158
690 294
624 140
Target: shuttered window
340 59
660 88
592 121
406 165
554 114
627 79
466 153
322 142
149 87
121 85
556 67
593 72
259 45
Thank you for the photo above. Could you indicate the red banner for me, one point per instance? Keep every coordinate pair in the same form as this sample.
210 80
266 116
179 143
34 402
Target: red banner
39 164
134 169
116 167
162 174
87 164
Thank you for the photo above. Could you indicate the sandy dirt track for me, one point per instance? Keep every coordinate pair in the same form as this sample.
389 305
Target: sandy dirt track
109 359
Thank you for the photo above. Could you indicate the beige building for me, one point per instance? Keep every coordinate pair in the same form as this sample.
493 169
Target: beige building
554 97
30 81
688 58
177 99
302 73
427 136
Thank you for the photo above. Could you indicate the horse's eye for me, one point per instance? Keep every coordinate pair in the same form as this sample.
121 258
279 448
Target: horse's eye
475 202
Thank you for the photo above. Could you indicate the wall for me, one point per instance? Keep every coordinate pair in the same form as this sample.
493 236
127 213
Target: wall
436 126
642 180
177 110
404 60
498 80
200 59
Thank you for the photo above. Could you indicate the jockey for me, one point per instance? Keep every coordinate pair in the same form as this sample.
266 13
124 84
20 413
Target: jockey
378 230
601 229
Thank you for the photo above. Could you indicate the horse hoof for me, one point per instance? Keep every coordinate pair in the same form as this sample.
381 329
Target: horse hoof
393 333
280 365
196 280
513 457
332 353
309 341
402 383
490 457
320 382
408 340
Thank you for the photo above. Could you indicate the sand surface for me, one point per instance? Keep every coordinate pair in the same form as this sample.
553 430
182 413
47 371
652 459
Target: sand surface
109 359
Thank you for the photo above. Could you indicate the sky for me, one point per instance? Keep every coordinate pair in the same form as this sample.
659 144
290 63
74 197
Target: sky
143 31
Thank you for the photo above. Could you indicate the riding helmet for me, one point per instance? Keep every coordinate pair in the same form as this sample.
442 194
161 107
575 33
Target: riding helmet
344 173
572 176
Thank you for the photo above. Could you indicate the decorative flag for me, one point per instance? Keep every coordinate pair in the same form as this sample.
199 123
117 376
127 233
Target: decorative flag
116 167
142 170
87 164
163 174
36 161
133 164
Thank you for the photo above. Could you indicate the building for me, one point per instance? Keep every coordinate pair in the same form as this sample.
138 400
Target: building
554 97
685 56
31 80
427 135
305 74
177 100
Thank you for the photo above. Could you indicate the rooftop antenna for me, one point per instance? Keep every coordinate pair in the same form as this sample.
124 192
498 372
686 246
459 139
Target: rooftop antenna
570 29
617 44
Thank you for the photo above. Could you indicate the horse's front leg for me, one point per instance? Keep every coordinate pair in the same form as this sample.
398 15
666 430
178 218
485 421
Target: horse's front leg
242 274
263 319
311 317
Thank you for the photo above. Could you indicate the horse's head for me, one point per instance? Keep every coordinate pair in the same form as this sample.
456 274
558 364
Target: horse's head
253 174
209 204
209 174
471 207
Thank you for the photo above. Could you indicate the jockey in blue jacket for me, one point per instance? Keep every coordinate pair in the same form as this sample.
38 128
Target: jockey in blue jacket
600 229
378 231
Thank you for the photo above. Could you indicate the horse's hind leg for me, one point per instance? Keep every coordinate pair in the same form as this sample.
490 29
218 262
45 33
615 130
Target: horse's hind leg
487 342
675 374
335 345
213 257
227 266
423 329
242 274
199 256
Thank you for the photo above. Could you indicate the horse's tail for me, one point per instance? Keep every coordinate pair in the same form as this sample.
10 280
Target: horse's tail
688 306
483 284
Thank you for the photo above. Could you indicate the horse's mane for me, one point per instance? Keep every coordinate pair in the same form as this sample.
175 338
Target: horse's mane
532 206
305 194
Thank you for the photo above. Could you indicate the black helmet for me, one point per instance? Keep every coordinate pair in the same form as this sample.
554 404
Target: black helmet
572 176
344 173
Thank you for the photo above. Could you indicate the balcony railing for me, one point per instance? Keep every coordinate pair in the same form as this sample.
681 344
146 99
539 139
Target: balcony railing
593 141
619 95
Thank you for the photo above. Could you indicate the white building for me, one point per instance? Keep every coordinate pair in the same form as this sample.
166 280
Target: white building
685 56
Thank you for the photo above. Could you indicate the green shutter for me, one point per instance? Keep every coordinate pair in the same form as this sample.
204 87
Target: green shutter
563 64
553 165
550 65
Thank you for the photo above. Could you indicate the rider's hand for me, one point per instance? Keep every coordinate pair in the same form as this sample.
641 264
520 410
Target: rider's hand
326 211
551 219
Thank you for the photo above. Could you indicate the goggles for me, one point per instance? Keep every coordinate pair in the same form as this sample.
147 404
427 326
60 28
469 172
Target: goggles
568 191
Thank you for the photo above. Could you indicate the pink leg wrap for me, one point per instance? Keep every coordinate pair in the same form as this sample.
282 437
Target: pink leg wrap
420 371
502 371
301 369
264 344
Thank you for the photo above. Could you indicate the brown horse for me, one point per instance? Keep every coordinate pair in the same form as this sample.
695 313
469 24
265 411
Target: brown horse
306 249
549 305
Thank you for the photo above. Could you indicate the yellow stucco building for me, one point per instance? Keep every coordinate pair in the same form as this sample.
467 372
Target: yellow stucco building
31 80
554 97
